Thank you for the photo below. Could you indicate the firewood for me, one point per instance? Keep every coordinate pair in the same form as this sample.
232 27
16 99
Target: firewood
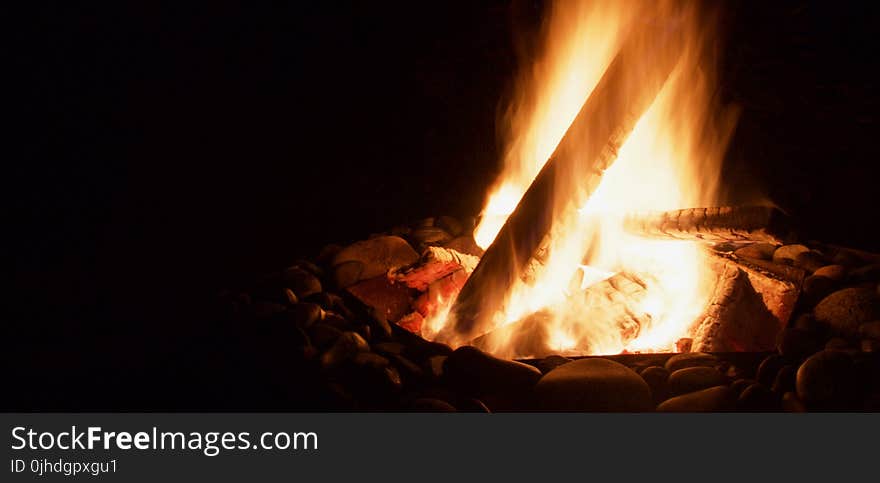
434 264
747 309
717 224
616 298
570 175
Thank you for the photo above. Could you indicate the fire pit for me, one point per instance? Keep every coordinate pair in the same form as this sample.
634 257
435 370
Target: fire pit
606 272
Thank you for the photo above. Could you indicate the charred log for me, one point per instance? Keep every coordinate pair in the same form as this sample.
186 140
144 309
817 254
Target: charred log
569 176
718 224
434 264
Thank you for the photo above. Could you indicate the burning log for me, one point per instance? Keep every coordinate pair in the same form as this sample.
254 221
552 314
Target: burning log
616 298
748 308
719 224
434 264
570 175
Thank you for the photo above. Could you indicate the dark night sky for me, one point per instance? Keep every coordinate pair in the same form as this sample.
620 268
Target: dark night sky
170 150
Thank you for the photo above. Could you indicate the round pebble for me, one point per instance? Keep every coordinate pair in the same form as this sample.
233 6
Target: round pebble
843 311
827 380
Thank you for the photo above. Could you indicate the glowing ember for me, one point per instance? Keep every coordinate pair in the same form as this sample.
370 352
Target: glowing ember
671 160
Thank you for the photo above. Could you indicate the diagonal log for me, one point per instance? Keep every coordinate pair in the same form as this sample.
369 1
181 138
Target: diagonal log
717 224
571 174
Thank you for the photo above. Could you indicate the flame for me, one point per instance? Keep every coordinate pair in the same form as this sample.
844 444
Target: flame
671 160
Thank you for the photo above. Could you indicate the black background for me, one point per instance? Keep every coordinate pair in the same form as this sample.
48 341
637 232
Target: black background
166 150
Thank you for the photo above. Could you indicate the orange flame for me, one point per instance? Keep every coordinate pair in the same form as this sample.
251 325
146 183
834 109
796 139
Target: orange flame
671 160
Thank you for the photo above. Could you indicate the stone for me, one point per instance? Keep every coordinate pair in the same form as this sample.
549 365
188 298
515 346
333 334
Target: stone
436 364
718 398
389 301
325 256
870 330
834 272
549 363
407 368
386 348
593 384
797 343
424 222
378 255
785 379
302 282
430 235
477 373
815 288
807 322
843 311
335 320
472 405
867 273
305 314
323 335
837 344
290 296
464 244
346 347
768 369
810 261
656 377
792 404
692 379
690 359
740 385
431 405
347 273
450 225
869 345
760 251
787 254
757 397
828 380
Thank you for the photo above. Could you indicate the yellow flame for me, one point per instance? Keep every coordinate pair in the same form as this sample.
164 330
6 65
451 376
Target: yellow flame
671 160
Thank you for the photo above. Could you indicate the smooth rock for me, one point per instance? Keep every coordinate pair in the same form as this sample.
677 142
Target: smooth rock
837 344
757 397
797 343
785 379
345 348
335 320
690 359
323 336
692 379
450 225
549 363
869 345
305 314
834 272
471 405
477 373
593 384
431 405
436 364
815 288
302 282
810 261
740 385
290 296
656 377
792 404
787 254
843 311
379 255
718 398
867 273
430 235
760 251
870 330
386 348
768 369
807 322
828 380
